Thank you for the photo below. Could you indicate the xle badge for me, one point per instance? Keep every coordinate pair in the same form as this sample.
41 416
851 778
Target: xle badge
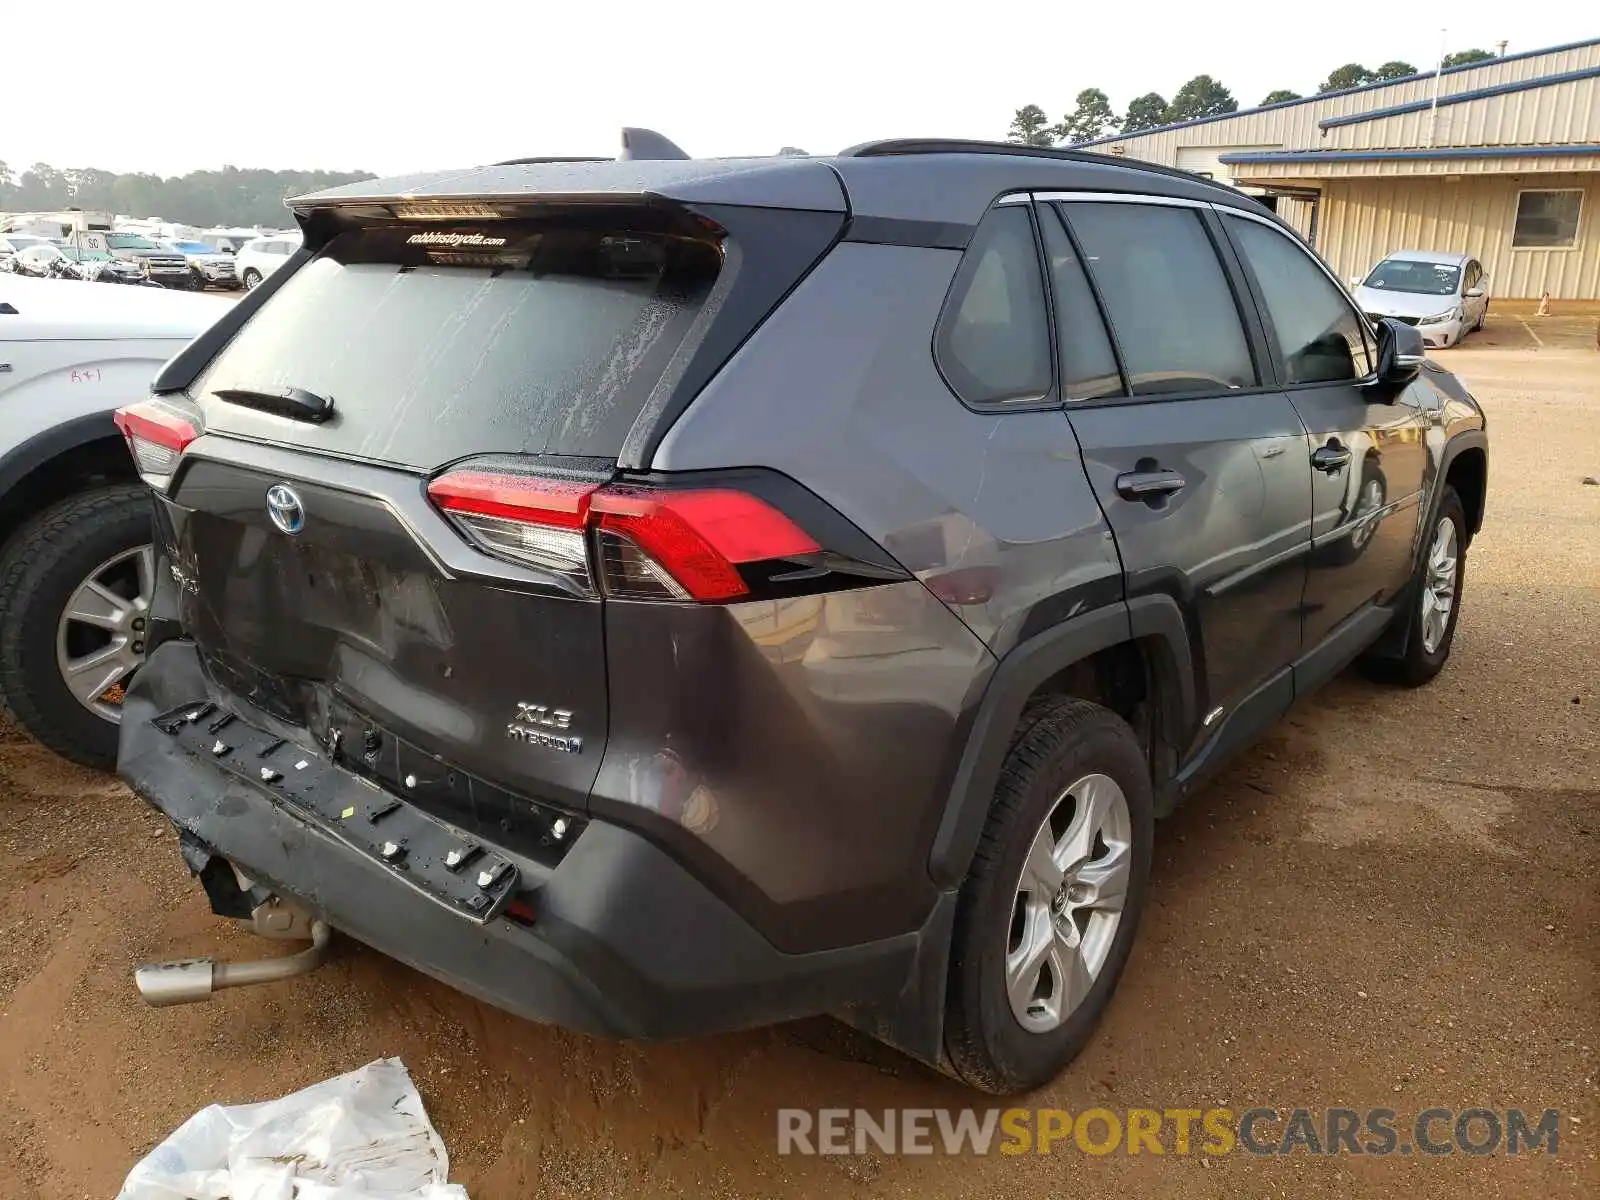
540 725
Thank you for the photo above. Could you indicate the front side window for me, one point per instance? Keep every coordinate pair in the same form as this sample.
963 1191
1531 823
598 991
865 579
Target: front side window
993 341
1168 299
1547 220
1319 335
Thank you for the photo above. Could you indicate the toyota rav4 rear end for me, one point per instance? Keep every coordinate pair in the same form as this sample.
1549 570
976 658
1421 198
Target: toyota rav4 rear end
438 658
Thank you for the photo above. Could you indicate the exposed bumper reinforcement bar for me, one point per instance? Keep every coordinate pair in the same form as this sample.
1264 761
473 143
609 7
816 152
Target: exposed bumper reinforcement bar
625 941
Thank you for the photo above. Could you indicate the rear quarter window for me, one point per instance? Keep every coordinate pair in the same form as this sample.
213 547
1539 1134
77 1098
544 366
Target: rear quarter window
993 340
437 343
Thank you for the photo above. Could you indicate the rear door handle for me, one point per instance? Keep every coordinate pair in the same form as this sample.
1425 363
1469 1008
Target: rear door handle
1330 458
1148 485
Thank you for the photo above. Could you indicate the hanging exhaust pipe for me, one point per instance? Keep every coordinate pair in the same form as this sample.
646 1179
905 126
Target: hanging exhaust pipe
188 980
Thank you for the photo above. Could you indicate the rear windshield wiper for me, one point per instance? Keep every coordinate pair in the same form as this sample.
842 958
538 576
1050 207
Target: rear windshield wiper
295 403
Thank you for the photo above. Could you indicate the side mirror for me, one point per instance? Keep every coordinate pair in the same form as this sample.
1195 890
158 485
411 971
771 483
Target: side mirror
1355 280
1474 292
1400 352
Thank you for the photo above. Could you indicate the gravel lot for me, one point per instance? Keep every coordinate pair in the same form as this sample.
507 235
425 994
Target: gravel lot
1392 902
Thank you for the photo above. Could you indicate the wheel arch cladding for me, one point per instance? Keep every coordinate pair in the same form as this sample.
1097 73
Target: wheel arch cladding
1467 470
51 464
1027 671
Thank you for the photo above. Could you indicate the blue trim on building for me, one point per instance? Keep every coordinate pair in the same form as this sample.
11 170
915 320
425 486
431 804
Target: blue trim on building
1365 87
1444 152
1499 89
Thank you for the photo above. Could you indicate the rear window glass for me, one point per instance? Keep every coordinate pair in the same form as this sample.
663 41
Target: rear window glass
439 342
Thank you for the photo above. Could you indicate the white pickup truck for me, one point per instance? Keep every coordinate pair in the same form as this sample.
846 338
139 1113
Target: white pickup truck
76 572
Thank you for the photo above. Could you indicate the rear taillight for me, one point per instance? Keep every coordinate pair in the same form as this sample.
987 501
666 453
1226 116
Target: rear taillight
157 431
650 543
539 522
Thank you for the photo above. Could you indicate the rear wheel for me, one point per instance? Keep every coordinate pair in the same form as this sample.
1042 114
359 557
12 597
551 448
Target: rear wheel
251 277
75 588
1048 913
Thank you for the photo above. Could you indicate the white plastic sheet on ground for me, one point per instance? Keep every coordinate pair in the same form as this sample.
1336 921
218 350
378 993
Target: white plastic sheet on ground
361 1136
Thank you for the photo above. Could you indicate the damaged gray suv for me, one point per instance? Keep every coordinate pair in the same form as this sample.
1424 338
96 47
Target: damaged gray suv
660 596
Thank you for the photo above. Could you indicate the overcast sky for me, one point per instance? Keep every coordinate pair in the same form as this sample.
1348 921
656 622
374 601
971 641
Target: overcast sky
391 88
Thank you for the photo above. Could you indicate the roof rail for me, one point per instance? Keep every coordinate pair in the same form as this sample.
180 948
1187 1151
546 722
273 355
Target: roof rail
552 158
893 146
648 144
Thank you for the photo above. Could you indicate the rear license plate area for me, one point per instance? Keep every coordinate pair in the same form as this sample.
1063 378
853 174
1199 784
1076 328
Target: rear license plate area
446 864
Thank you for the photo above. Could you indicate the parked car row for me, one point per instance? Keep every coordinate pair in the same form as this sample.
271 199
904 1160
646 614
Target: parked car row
109 258
50 261
135 258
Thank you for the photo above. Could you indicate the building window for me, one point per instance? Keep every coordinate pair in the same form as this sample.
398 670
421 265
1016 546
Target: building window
1547 220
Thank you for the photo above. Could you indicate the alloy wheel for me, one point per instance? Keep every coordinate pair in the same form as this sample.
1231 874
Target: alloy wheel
1068 903
100 638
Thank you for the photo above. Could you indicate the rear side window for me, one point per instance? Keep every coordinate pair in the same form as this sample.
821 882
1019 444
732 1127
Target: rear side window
436 343
993 341
1320 337
1170 305
1088 365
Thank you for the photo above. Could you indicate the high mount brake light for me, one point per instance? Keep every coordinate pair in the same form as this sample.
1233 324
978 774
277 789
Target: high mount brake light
157 432
651 543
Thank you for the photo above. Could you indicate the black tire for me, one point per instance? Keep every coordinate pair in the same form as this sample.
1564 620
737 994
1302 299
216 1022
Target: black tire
1481 318
1417 665
250 278
40 568
1060 740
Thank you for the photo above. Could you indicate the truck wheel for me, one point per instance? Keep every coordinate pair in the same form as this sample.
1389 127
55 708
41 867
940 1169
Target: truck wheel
75 588
1048 913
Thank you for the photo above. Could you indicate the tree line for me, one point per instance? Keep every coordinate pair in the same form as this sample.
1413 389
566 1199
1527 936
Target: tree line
1092 115
231 196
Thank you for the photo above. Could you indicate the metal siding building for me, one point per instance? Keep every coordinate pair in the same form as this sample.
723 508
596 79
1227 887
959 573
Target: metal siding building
1370 170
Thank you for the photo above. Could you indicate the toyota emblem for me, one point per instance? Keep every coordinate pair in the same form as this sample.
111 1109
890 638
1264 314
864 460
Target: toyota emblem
285 509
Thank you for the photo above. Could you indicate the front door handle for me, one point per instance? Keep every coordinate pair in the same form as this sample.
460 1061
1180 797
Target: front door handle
1148 485
1330 458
